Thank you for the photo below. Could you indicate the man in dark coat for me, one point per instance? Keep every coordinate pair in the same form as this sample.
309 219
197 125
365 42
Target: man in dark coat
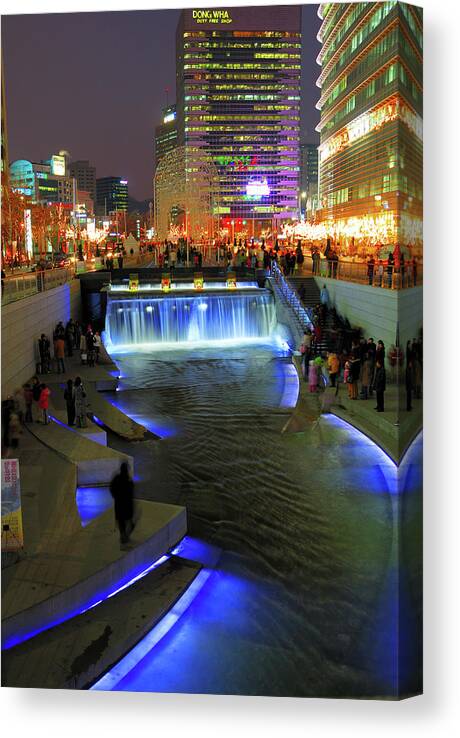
122 491
380 385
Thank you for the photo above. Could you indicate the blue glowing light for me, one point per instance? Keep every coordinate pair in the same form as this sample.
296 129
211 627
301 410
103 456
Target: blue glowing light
110 680
125 581
92 502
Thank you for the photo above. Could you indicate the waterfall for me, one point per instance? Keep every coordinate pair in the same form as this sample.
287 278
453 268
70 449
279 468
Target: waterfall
182 320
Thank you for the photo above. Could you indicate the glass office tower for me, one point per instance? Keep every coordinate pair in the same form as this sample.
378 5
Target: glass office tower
371 124
238 97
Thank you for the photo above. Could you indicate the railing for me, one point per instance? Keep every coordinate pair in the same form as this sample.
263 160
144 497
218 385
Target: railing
290 297
24 285
358 271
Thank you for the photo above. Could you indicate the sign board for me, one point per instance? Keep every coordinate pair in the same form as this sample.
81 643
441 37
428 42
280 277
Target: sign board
211 16
12 532
166 283
198 282
28 232
133 282
58 165
231 281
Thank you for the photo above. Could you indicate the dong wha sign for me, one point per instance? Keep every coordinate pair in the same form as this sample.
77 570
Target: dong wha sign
211 16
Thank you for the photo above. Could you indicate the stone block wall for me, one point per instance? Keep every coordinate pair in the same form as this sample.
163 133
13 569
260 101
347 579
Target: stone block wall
22 324
376 310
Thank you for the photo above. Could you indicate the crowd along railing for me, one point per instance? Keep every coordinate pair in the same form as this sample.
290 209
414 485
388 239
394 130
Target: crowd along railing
380 275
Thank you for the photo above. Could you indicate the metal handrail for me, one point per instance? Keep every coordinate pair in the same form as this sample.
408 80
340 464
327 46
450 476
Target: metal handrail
358 271
290 297
17 287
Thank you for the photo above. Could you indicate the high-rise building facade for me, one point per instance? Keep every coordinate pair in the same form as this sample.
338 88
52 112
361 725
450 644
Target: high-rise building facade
371 124
85 174
308 179
111 195
308 166
166 133
238 98
46 182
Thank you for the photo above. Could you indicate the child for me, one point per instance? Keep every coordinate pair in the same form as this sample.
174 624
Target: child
312 376
346 379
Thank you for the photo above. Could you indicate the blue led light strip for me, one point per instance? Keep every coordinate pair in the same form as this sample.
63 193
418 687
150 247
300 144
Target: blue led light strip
15 640
113 677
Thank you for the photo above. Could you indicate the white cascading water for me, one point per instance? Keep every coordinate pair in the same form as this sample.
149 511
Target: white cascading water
182 320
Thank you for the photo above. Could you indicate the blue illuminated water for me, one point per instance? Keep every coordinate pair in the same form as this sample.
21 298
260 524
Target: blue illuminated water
193 319
303 598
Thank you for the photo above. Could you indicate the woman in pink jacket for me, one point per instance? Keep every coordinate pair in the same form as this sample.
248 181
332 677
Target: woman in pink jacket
312 376
44 401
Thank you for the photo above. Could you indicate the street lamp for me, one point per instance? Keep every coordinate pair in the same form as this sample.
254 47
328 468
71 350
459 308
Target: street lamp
233 230
302 196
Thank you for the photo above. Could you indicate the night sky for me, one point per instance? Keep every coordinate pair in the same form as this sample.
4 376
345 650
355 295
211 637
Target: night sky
94 84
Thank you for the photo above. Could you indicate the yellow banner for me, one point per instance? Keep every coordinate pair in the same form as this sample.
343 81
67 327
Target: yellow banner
12 532
133 282
231 281
198 281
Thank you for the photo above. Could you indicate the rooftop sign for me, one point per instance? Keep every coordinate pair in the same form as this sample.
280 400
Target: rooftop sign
211 16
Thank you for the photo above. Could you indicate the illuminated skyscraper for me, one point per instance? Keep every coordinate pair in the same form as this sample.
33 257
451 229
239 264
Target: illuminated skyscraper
371 123
111 195
238 97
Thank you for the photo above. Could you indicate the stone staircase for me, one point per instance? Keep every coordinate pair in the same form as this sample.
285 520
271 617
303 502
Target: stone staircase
311 299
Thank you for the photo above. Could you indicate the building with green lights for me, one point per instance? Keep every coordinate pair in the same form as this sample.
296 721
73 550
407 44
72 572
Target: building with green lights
370 155
166 134
238 98
111 195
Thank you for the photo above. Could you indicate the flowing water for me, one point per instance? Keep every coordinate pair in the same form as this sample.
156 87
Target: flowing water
302 600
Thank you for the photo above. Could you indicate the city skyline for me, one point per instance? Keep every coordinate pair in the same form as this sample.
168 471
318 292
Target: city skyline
110 86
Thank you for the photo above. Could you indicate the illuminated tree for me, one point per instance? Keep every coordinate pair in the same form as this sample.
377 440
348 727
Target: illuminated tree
186 185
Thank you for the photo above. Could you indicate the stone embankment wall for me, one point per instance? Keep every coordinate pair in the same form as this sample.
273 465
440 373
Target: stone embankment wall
22 324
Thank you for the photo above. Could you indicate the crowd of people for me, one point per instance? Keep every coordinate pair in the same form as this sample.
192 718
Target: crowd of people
357 362
66 340
29 404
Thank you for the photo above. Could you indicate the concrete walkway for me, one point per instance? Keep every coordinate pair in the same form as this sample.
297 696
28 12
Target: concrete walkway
95 379
95 464
77 652
393 430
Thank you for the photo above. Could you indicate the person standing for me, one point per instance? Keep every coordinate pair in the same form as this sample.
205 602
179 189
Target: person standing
59 353
70 336
36 389
28 401
69 397
43 402
366 376
122 491
409 384
390 268
80 403
355 370
333 366
312 376
305 350
97 344
77 334
90 347
380 353
44 351
324 296
380 386
370 269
